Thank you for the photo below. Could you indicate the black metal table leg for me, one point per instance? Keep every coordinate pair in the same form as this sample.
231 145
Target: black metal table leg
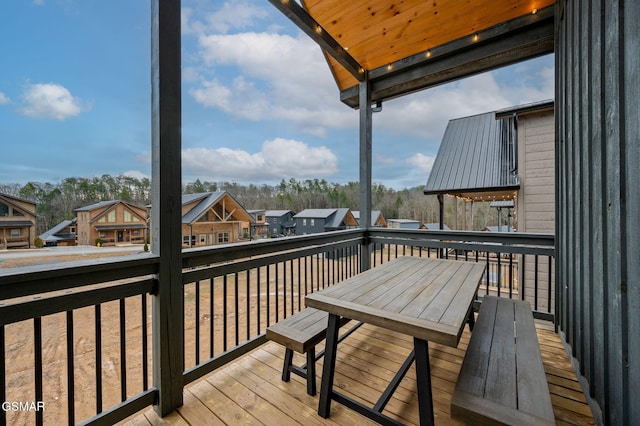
328 370
423 376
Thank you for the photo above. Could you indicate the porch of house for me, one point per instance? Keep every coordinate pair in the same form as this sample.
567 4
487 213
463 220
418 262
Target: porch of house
250 390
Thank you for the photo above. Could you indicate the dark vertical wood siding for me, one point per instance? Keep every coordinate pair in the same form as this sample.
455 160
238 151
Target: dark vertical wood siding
598 198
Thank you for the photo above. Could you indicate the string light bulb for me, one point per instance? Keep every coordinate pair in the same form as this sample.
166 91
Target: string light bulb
534 11
476 37
428 54
389 67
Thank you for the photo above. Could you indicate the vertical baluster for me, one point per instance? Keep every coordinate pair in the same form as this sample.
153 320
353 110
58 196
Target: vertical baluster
268 296
70 370
549 286
98 326
284 295
37 343
236 308
277 283
535 280
211 316
499 273
300 285
259 298
197 320
3 376
225 325
488 271
145 346
123 352
248 305
291 283
521 286
510 275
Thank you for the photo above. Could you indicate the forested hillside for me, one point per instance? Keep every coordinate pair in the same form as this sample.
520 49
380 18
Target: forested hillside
57 201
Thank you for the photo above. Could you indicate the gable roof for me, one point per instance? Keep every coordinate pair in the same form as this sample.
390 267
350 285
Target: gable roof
207 201
375 215
96 206
17 202
475 159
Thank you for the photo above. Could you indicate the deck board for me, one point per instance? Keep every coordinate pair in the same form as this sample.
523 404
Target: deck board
250 391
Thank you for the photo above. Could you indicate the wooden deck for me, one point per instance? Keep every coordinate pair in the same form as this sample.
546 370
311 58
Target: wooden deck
249 391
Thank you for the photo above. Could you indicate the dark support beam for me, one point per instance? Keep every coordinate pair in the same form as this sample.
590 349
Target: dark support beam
366 119
313 29
166 196
504 44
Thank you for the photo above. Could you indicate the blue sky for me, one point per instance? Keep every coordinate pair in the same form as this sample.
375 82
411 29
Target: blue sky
259 101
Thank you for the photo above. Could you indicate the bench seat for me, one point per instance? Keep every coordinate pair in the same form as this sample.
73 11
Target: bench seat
301 332
502 379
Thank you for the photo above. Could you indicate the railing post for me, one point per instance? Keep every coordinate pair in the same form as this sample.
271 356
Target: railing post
365 169
166 198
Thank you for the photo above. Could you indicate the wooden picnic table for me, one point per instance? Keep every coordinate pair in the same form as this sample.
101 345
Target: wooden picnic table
429 299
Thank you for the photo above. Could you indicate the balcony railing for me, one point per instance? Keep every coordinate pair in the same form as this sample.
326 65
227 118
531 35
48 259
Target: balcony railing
231 294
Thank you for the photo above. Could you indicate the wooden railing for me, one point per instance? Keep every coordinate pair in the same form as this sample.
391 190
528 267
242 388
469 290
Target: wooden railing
231 294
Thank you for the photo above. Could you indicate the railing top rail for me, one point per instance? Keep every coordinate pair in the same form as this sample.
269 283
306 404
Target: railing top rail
467 236
223 253
38 279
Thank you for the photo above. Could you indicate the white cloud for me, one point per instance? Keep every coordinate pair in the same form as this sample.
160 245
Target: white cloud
423 162
282 77
278 158
234 14
50 101
4 99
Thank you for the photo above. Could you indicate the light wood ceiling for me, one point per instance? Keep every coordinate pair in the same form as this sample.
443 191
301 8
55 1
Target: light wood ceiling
378 34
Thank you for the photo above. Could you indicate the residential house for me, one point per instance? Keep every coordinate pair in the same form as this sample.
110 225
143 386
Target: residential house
403 224
259 227
213 218
63 234
505 157
17 222
110 223
281 222
313 221
377 220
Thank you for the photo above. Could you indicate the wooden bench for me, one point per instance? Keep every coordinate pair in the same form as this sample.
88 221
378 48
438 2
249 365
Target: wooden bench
301 332
502 379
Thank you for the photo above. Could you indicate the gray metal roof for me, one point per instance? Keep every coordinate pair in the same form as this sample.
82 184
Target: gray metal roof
208 200
338 219
15 223
50 235
315 213
277 213
473 157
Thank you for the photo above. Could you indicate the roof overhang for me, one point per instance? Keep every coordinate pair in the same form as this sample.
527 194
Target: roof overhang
482 195
405 47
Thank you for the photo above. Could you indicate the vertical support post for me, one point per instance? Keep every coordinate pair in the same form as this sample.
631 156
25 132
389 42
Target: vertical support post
441 227
166 171
365 168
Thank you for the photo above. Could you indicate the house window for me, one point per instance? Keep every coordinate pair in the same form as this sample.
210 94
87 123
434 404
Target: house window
259 218
14 233
128 217
203 238
103 219
111 217
312 222
17 213
223 237
304 222
4 209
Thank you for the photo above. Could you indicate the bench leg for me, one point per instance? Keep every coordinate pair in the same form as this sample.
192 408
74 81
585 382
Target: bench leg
311 371
471 320
288 362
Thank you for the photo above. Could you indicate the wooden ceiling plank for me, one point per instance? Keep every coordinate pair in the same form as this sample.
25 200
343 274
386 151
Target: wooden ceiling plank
459 63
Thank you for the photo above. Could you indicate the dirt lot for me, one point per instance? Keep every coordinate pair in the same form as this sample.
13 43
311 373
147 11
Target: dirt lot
253 294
